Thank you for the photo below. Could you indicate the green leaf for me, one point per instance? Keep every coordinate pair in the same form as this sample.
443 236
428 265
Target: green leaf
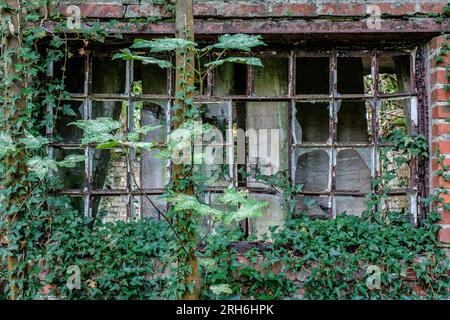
221 289
41 166
126 54
71 160
243 42
98 130
32 142
243 60
6 144
163 45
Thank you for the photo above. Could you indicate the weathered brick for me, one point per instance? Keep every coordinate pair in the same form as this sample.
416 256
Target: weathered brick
444 235
443 146
438 76
440 129
397 8
440 94
437 166
344 9
439 181
432 7
437 42
445 217
295 9
98 10
441 111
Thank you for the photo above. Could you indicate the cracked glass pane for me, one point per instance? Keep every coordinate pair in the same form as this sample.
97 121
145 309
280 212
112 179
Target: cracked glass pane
148 206
352 206
393 116
70 178
108 76
314 206
149 79
312 168
230 79
353 169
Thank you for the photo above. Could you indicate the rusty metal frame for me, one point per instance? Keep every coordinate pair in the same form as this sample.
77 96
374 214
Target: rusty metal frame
292 98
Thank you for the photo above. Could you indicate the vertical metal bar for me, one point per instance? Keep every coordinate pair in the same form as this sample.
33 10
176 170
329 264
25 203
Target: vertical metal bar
129 126
333 118
210 80
250 81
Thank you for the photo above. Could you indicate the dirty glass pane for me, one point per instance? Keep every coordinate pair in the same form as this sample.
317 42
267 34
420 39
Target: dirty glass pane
74 74
353 169
312 168
110 208
393 116
353 206
314 206
144 206
395 169
109 169
354 75
70 111
217 159
108 76
149 79
354 121
313 76
394 74
70 178
117 110
153 169
274 215
312 122
230 79
267 129
272 79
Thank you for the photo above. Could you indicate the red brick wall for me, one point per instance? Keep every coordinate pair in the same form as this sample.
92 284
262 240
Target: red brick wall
440 128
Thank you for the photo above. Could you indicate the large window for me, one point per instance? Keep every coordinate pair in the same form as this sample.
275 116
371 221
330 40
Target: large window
332 111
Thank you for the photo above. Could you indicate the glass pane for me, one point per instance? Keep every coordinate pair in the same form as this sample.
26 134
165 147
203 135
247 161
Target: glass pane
315 207
353 169
70 111
110 208
353 206
396 204
230 79
354 121
109 169
149 206
312 122
354 75
74 74
108 76
392 117
153 169
313 76
267 129
272 79
149 79
394 74
312 168
70 178
274 215
117 110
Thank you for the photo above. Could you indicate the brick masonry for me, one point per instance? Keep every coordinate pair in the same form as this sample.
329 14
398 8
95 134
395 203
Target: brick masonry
439 102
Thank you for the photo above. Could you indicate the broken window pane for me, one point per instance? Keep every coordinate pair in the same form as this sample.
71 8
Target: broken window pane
149 79
312 168
312 122
314 206
70 178
109 169
70 111
108 76
274 214
110 208
352 206
153 169
267 131
272 79
393 116
354 121
149 206
354 169
395 168
230 79
313 75
354 75
394 74
74 73
117 110
396 204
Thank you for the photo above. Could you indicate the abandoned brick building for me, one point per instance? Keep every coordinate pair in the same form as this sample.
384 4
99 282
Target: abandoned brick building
338 77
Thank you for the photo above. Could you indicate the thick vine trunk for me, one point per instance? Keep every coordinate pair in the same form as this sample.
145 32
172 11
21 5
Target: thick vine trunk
185 71
13 108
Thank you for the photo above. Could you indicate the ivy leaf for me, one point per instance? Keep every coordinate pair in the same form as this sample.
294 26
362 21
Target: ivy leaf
98 130
32 142
163 45
41 166
243 42
242 60
6 144
71 160
126 54
68 111
219 289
